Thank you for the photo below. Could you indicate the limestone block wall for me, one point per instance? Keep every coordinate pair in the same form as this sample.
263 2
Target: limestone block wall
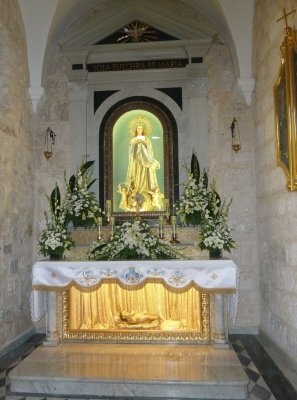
53 112
235 178
276 208
16 177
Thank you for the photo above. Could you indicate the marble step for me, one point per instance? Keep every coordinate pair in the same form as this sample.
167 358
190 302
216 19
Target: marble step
130 371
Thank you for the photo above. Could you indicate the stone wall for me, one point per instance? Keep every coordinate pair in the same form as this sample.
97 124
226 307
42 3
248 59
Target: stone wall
277 208
17 196
234 174
53 112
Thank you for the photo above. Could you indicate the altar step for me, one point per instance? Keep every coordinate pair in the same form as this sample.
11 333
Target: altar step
130 371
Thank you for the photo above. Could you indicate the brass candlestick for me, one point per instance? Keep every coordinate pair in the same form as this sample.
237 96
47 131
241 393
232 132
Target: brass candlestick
173 234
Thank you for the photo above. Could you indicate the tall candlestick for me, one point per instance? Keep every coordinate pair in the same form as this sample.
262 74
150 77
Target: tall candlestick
108 209
166 208
99 221
173 226
112 220
161 227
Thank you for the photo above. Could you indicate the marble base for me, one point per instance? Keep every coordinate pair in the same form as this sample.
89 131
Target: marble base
114 370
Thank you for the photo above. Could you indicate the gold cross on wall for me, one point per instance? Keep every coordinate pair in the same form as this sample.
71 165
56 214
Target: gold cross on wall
285 16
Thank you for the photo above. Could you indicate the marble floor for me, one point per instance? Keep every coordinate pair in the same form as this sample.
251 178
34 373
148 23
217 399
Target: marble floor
266 381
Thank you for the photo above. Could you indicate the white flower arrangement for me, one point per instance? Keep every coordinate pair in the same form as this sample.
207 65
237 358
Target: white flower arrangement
214 230
131 241
55 239
79 206
193 202
82 205
202 206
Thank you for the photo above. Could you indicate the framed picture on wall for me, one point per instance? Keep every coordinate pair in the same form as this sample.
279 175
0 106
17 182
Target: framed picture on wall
285 90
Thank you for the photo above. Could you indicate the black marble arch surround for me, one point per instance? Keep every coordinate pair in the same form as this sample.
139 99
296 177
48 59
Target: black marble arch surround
146 103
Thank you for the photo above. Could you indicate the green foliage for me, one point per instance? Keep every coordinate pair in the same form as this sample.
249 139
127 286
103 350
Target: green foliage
55 200
195 168
205 179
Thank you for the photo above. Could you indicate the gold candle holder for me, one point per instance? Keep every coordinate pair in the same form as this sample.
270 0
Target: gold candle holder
173 226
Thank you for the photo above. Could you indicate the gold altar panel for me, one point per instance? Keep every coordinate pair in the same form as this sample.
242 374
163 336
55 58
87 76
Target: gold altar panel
150 313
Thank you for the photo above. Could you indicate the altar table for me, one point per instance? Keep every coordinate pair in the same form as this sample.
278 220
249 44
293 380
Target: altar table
219 277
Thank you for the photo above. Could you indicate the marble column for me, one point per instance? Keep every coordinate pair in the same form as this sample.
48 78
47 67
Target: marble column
52 337
220 339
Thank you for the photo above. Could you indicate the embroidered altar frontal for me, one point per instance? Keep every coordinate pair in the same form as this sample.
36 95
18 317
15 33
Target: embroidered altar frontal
133 301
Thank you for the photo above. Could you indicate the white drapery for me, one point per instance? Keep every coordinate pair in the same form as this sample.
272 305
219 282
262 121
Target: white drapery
219 276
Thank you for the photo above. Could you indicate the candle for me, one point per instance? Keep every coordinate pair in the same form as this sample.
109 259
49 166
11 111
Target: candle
108 206
111 227
166 208
99 221
161 227
108 209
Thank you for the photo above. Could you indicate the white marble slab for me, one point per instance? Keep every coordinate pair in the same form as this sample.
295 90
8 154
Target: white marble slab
119 370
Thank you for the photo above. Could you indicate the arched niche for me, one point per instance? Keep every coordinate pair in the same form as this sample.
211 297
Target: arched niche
112 159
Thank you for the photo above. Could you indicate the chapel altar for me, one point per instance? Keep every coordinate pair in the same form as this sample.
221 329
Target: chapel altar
144 301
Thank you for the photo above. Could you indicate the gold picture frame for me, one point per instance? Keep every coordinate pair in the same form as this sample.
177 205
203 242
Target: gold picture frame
166 154
285 89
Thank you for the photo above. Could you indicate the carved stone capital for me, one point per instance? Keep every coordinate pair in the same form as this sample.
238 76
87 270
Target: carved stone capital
78 91
247 86
198 87
36 93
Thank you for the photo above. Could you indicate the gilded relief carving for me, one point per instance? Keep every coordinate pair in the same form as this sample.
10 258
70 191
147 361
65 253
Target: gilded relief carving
151 313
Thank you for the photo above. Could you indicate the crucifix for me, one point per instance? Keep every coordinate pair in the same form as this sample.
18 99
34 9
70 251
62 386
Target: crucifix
285 18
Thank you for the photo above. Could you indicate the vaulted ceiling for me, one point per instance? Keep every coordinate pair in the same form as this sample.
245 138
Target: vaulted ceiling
71 24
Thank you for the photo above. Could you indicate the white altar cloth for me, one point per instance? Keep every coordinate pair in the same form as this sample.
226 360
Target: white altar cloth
219 276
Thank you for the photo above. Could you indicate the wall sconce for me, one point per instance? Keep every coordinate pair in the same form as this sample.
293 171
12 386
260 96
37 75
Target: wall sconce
49 141
236 143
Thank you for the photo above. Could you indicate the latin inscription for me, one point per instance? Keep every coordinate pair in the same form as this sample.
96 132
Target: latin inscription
137 65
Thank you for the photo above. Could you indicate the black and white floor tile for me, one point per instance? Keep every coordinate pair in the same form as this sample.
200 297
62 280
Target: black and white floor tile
266 381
